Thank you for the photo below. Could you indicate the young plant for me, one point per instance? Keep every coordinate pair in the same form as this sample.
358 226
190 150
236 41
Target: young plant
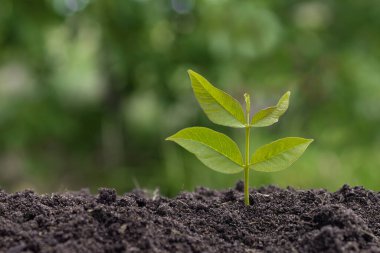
221 153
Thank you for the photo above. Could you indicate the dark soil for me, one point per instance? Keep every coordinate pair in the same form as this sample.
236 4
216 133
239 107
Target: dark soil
279 220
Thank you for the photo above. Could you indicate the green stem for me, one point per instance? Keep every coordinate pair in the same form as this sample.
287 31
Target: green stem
247 140
246 166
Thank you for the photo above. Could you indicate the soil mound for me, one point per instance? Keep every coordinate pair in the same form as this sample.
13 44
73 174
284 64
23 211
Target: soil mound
278 220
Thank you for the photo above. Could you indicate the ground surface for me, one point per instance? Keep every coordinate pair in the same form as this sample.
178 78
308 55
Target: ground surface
279 220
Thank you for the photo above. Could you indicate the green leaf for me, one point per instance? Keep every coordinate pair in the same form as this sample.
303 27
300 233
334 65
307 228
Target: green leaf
279 154
220 107
214 149
270 115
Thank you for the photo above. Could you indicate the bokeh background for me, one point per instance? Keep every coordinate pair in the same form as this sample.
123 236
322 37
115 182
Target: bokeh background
90 89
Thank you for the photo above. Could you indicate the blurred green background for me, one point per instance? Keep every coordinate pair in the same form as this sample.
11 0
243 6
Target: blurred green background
90 89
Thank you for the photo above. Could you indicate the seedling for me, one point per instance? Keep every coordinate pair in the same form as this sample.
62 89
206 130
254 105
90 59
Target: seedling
219 152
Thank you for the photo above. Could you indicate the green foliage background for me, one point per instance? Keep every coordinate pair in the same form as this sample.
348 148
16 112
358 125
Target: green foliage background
90 89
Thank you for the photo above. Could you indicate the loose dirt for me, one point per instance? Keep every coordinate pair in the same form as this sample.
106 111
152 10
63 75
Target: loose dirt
278 220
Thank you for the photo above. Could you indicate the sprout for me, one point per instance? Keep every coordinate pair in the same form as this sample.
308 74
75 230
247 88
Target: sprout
219 152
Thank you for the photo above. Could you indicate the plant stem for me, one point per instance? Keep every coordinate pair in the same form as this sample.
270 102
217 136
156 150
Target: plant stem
247 140
246 166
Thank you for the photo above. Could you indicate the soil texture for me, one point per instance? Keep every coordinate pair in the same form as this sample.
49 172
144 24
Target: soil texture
278 220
